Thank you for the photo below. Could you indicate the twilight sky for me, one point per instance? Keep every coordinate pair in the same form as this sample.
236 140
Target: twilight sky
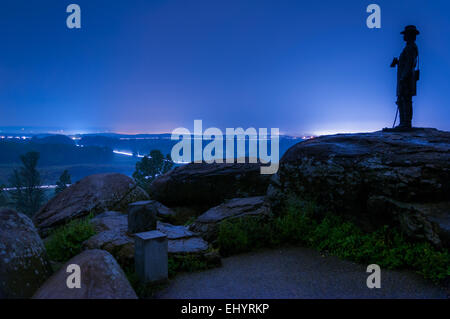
154 65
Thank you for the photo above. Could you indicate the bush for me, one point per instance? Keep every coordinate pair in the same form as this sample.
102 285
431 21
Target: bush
386 247
66 242
243 234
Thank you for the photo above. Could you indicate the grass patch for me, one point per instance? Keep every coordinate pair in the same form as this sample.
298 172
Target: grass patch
66 242
186 263
386 247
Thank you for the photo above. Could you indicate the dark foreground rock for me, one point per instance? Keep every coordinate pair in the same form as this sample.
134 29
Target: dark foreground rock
207 185
208 224
93 194
23 260
101 278
378 178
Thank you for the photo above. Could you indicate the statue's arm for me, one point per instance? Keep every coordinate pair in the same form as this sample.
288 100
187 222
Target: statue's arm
394 63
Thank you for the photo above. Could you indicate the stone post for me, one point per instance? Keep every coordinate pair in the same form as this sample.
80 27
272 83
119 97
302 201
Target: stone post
141 217
151 256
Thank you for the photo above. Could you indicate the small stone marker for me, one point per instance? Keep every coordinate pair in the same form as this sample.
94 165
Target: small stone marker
141 217
151 256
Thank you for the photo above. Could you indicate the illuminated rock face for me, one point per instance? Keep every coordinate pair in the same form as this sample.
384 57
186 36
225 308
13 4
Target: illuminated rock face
398 178
23 260
93 194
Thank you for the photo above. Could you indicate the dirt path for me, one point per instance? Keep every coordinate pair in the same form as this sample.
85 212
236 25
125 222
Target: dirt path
295 273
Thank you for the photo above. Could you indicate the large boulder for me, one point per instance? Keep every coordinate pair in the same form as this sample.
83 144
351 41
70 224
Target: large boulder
207 185
208 223
101 278
399 178
23 261
93 194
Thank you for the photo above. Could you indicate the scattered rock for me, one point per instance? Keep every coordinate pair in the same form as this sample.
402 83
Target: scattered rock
113 237
23 261
207 185
175 232
93 194
111 228
208 224
101 278
396 178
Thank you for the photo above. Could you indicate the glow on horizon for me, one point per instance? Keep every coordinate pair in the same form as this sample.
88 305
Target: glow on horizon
127 153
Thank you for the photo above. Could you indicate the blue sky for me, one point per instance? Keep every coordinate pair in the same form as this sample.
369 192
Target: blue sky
152 66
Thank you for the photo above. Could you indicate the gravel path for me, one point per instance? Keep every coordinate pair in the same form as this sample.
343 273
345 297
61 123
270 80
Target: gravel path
295 273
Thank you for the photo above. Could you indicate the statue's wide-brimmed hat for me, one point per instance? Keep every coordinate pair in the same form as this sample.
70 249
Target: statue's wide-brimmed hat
410 29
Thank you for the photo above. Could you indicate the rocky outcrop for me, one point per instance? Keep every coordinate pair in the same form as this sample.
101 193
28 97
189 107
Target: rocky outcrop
208 224
400 178
113 237
207 185
101 278
23 260
93 194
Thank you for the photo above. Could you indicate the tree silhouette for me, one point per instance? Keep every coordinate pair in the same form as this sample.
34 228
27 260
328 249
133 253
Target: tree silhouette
63 181
150 167
27 196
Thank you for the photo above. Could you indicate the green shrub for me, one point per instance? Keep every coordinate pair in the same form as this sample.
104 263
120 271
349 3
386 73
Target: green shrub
243 234
386 247
66 241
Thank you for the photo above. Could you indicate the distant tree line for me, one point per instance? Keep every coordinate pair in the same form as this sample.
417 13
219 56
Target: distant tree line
54 154
27 196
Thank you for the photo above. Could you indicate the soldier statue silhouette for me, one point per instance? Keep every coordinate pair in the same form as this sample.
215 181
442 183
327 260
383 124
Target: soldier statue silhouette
407 77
